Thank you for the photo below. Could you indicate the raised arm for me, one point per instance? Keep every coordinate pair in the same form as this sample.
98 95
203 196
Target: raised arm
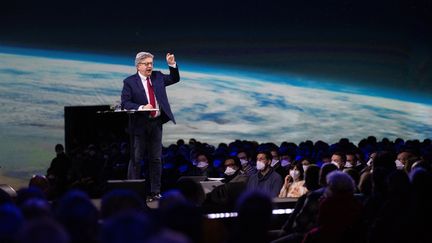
174 75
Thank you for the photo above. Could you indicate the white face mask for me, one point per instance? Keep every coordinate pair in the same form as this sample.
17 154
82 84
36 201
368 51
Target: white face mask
274 162
335 163
260 165
399 165
229 171
244 162
295 174
305 167
285 163
202 164
369 163
348 165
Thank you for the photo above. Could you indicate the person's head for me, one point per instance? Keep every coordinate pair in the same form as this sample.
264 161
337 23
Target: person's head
355 175
92 150
325 158
351 160
244 157
40 182
286 159
263 159
365 184
231 165
127 227
371 158
43 230
403 158
11 220
399 186
35 208
191 190
183 217
28 193
339 159
119 201
275 155
305 162
384 159
202 160
78 215
296 171
254 216
339 183
311 176
325 170
180 142
59 149
421 181
144 63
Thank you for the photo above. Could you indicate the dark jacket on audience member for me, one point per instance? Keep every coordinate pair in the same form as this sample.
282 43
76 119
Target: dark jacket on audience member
270 183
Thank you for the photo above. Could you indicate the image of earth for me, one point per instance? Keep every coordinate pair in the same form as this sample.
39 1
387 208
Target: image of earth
210 104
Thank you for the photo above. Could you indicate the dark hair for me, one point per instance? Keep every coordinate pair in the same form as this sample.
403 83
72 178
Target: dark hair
248 154
342 155
78 215
236 161
385 159
355 175
267 154
254 217
325 170
297 164
191 190
312 177
59 148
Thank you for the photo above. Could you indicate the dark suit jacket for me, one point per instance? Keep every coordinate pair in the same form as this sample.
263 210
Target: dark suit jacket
133 95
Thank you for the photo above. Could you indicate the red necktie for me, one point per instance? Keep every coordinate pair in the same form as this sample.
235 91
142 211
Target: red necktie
151 97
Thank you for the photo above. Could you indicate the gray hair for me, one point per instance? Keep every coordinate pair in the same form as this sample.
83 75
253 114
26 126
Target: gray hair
340 182
142 55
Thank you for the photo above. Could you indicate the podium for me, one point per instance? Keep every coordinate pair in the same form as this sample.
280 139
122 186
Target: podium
130 114
85 125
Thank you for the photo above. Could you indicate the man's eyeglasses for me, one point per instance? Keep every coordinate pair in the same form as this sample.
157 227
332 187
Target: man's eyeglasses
146 63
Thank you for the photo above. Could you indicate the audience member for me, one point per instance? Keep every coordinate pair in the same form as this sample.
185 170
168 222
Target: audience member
339 212
128 227
253 220
387 198
121 201
266 179
43 230
294 183
58 174
246 162
79 216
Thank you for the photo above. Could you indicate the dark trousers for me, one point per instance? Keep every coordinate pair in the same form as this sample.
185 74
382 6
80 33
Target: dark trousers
147 155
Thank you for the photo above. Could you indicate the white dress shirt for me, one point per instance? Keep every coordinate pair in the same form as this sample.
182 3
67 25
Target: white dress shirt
144 82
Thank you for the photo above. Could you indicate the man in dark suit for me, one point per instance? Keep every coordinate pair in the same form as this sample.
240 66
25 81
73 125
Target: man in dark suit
141 91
